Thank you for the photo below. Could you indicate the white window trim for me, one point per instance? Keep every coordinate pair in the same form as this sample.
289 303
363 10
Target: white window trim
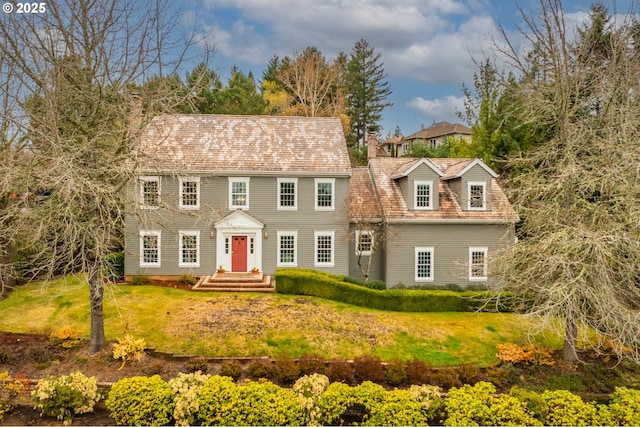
331 181
485 250
143 234
415 195
317 234
419 249
238 179
295 248
359 233
141 193
181 262
295 194
195 179
483 184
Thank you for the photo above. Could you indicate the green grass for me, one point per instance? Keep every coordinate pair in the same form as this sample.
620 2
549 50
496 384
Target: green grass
225 324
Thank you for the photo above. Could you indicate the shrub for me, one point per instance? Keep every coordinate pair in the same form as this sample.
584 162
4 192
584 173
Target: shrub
197 365
334 402
340 371
114 267
65 396
309 389
446 378
138 401
9 391
565 408
187 279
429 398
311 364
366 397
129 349
368 368
418 372
260 369
371 284
140 280
65 337
285 370
398 408
396 372
231 369
214 399
625 407
469 374
534 402
524 355
186 387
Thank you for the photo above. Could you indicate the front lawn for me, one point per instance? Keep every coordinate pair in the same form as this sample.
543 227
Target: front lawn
237 324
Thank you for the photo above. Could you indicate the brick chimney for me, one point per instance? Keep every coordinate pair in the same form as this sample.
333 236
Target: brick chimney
372 147
135 113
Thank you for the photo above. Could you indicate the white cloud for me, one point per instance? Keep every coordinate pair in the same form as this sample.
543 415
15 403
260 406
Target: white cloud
438 109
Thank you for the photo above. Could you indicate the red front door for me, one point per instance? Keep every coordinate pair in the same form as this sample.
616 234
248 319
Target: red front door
239 253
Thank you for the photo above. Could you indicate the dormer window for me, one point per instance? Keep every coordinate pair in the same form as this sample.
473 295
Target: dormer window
477 195
423 195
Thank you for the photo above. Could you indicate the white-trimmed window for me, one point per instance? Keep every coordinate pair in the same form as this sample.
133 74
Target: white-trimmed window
150 248
287 194
189 192
325 197
149 192
423 195
364 242
287 248
477 195
238 193
189 252
324 250
478 263
424 264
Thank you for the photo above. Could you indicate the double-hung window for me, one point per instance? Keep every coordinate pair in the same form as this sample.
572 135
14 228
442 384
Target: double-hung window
325 194
324 248
150 248
238 193
477 195
287 248
149 192
423 195
287 194
189 193
364 242
478 263
189 251
424 264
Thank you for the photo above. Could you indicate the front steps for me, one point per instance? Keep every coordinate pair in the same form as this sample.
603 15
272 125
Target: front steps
236 282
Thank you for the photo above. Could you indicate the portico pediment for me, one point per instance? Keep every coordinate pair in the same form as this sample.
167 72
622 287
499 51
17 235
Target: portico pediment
239 220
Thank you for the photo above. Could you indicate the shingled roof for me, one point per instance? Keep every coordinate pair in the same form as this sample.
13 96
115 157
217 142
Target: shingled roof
439 130
395 207
257 144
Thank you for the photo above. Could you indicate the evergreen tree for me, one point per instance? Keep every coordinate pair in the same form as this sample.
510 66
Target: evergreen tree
240 96
366 91
206 83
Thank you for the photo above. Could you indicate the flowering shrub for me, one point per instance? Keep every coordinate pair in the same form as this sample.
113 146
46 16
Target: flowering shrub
65 396
309 389
128 349
141 401
9 390
65 337
428 396
186 387
524 355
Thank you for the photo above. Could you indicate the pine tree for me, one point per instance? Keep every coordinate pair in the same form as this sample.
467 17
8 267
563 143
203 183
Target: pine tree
366 90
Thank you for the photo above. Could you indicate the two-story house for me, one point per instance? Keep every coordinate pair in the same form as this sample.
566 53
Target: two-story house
245 192
431 136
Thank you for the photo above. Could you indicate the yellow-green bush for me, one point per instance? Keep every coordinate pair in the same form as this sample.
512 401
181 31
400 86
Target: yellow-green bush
65 396
263 403
186 387
65 337
309 389
624 408
129 349
334 402
215 399
567 409
397 408
9 391
139 401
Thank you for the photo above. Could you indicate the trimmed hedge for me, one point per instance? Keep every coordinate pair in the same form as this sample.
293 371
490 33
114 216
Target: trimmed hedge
329 286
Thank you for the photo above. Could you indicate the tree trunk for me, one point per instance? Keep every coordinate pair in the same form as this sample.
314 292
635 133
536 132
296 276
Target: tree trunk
569 353
96 295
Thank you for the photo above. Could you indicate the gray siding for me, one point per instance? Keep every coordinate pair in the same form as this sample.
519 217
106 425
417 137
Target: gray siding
262 206
422 173
460 186
451 244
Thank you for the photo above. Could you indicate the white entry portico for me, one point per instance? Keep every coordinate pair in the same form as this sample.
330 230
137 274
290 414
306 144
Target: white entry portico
239 242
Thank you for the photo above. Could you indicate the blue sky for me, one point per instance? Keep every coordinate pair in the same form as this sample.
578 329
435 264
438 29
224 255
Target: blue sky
427 46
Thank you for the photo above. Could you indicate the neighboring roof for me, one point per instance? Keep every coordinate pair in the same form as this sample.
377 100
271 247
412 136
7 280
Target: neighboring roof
229 143
363 201
439 130
395 207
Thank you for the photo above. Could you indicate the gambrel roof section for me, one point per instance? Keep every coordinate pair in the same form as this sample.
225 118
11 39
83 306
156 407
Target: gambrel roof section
394 205
232 144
